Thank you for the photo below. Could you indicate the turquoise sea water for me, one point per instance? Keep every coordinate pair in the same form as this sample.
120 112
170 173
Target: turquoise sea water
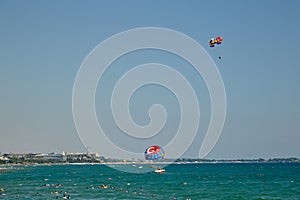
181 181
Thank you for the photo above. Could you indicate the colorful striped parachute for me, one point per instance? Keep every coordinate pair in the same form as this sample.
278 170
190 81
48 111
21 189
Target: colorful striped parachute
215 41
154 153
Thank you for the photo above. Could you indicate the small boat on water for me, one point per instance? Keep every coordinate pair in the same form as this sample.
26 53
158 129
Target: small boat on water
159 170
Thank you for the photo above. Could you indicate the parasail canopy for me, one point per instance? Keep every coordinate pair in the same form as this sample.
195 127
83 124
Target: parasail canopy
154 153
215 41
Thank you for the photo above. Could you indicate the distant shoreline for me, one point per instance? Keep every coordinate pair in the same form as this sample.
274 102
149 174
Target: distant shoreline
71 158
6 166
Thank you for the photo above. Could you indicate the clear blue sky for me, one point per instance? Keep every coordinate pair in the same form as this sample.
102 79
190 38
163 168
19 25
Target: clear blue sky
43 43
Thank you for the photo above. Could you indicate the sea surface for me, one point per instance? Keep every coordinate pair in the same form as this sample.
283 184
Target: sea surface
180 181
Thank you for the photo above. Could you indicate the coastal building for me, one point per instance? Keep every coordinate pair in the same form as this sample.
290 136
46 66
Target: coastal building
80 157
15 155
35 156
52 156
2 158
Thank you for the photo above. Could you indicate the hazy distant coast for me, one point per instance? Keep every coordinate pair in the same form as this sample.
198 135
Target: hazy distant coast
23 159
